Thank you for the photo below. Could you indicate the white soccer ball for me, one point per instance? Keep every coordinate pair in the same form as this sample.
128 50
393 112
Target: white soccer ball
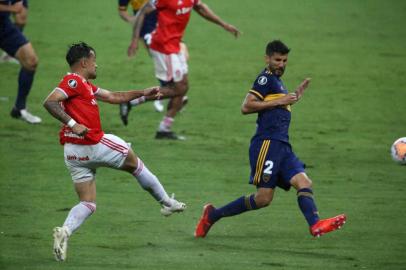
398 150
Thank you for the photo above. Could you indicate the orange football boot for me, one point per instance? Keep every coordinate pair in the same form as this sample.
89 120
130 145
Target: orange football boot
328 225
204 224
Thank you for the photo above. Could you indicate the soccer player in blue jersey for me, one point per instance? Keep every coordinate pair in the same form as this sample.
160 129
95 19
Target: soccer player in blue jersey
14 43
273 163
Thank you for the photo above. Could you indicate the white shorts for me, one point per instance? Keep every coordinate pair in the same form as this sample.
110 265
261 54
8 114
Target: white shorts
83 160
169 67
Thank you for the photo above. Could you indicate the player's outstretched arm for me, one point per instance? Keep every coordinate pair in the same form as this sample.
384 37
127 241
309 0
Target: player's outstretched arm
302 87
209 15
53 106
253 104
104 95
139 21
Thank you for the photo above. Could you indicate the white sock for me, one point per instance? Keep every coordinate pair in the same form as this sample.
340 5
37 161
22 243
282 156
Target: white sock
137 101
150 183
78 214
166 124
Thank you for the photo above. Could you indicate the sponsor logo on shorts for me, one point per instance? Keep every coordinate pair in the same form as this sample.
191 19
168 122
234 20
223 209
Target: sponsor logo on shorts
84 158
71 157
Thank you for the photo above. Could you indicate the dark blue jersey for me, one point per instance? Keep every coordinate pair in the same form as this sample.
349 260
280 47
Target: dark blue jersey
271 123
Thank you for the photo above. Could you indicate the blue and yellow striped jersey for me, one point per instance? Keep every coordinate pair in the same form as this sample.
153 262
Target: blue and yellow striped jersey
272 123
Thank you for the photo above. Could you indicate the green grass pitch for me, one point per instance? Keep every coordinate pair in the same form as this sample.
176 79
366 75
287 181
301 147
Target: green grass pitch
354 51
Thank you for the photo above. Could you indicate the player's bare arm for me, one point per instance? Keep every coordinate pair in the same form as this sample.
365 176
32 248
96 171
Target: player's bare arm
15 8
302 87
53 106
253 104
138 22
203 10
104 95
122 12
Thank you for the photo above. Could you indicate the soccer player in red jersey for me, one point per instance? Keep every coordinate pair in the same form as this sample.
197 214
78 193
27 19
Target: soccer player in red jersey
165 48
87 147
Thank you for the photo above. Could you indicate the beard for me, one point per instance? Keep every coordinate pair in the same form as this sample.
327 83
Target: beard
278 71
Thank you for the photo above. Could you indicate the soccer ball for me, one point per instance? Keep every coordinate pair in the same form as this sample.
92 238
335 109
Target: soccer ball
398 150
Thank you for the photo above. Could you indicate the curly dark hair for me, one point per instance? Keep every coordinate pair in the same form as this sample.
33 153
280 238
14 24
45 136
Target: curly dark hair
78 51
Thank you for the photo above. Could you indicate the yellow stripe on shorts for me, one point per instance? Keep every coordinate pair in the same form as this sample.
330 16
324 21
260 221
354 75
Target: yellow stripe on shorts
261 161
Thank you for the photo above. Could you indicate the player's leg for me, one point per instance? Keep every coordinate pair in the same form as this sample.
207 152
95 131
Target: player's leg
302 183
151 183
83 176
15 44
29 61
175 103
306 202
174 106
211 215
20 20
264 175
77 215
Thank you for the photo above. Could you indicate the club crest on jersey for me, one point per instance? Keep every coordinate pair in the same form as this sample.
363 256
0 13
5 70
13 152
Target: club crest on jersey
262 80
72 83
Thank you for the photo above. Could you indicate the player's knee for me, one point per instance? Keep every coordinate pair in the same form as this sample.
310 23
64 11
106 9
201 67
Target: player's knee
263 200
304 183
181 89
30 63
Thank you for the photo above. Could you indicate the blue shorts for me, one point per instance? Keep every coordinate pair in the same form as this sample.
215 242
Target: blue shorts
11 39
273 164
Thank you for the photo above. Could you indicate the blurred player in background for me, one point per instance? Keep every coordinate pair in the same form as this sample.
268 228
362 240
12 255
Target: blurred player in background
147 27
20 20
273 163
14 43
87 147
165 48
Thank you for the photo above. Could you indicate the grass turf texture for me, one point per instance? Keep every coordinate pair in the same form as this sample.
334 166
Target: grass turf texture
342 129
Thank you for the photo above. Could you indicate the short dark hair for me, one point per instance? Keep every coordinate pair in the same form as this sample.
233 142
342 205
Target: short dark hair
78 51
276 46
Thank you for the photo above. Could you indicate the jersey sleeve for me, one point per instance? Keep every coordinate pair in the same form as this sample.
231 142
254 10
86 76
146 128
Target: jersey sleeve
69 86
261 86
94 88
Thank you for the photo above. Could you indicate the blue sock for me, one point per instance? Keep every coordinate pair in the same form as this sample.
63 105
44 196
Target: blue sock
307 205
241 205
25 79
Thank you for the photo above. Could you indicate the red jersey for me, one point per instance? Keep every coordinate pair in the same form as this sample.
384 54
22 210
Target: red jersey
173 17
81 105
